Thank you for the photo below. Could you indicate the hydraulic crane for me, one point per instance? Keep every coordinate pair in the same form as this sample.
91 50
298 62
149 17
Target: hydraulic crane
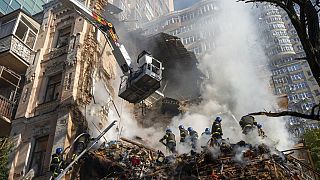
137 84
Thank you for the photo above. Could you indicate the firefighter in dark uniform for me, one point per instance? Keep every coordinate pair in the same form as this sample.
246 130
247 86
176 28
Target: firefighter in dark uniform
216 129
57 163
170 141
193 138
82 143
183 134
247 124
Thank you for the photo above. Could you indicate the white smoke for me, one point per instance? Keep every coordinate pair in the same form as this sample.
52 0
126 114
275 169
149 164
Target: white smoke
237 86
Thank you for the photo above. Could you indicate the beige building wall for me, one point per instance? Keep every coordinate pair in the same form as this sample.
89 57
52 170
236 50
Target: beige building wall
57 89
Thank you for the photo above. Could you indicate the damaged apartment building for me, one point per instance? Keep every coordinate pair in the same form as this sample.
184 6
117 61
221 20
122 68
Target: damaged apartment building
49 63
58 51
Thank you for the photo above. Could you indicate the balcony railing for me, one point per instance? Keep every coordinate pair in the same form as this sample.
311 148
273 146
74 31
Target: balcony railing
6 107
15 45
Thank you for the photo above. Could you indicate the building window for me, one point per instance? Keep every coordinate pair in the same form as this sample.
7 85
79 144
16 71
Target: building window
63 37
7 28
38 155
26 33
21 31
188 40
197 50
296 77
53 88
31 39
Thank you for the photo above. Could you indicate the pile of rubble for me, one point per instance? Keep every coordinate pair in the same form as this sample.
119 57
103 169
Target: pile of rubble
126 159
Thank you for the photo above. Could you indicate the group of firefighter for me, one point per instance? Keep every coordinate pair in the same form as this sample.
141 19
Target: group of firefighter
189 137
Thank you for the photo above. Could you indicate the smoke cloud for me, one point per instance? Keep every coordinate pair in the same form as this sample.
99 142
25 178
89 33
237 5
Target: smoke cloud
236 87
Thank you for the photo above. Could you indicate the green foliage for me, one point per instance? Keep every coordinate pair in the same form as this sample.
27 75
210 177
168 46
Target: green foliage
312 140
5 147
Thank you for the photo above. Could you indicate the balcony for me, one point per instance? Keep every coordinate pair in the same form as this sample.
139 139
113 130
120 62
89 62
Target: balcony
6 108
9 87
18 34
6 112
14 54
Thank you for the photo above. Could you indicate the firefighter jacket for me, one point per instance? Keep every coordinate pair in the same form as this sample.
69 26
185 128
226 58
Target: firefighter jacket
216 128
247 121
56 164
183 134
169 137
193 134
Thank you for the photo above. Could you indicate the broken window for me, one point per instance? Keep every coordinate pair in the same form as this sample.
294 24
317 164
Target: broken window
21 31
63 37
38 155
53 88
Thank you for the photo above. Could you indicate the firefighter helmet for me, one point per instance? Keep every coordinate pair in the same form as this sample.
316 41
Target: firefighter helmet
218 119
59 150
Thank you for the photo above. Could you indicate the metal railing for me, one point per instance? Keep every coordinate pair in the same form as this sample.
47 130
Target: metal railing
6 107
19 48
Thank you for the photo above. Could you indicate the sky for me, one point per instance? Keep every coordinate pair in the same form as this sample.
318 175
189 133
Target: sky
181 4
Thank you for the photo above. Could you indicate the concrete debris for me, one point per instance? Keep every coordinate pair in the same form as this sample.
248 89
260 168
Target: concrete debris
127 159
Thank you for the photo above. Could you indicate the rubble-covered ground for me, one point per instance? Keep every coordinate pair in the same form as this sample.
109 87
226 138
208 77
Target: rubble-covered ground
127 159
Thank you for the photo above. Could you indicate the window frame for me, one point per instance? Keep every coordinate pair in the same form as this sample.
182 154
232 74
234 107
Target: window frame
57 87
43 153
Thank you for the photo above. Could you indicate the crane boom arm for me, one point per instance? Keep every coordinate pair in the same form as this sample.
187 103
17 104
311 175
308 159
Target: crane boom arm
119 51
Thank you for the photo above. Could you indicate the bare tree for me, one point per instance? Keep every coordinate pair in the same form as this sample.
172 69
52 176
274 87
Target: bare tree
306 23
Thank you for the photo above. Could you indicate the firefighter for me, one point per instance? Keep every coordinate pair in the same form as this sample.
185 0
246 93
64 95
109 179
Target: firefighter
247 124
170 141
82 143
261 131
183 134
193 138
57 163
206 132
205 137
216 129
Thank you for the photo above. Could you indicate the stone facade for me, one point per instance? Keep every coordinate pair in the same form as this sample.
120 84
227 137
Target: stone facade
58 87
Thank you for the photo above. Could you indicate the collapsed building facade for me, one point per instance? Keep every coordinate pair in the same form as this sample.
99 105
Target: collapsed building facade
69 55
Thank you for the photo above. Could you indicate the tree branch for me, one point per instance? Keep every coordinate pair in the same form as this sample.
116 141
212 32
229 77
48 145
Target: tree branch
286 113
312 116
